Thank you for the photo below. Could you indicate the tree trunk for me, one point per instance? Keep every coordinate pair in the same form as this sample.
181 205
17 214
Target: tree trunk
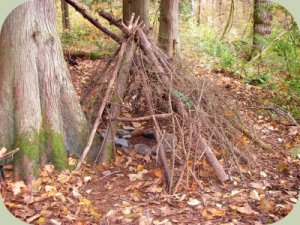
220 14
140 8
262 24
65 16
40 112
168 36
199 13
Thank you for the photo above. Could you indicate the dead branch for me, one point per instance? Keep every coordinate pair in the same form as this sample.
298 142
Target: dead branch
10 153
85 13
107 93
157 131
253 137
143 118
213 161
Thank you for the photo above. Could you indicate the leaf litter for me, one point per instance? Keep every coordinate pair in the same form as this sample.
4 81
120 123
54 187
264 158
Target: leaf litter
131 192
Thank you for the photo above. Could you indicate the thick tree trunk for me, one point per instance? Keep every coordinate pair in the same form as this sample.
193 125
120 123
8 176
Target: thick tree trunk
168 36
65 16
140 8
40 112
262 24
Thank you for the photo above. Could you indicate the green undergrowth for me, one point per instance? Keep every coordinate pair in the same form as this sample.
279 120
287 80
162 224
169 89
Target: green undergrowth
277 68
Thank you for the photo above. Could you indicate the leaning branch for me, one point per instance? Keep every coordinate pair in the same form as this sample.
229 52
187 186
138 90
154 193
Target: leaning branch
103 104
143 118
87 15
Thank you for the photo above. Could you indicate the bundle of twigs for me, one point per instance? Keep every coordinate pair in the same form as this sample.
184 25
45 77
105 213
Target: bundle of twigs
195 111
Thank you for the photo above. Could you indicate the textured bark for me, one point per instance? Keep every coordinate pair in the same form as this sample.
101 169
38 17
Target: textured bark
40 112
140 8
168 36
65 16
262 23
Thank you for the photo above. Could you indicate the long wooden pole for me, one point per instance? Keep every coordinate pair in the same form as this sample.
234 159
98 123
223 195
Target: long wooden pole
103 104
87 15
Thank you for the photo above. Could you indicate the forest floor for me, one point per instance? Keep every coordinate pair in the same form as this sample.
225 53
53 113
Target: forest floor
131 190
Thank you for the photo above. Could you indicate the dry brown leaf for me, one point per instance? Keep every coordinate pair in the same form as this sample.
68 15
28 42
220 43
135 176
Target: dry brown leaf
76 193
63 178
246 210
210 213
49 168
267 205
254 195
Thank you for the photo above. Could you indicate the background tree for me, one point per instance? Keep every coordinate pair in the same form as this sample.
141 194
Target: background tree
40 112
168 36
262 24
140 8
199 13
65 16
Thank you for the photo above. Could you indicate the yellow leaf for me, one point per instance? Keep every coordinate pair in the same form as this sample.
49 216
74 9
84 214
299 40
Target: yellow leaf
245 139
139 168
85 201
41 220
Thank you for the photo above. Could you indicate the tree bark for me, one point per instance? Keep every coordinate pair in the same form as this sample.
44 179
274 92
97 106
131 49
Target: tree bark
65 16
262 24
140 8
40 112
168 36
199 13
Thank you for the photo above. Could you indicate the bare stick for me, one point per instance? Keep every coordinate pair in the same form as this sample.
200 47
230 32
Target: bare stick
103 104
10 153
213 160
255 139
85 13
143 118
157 131
115 21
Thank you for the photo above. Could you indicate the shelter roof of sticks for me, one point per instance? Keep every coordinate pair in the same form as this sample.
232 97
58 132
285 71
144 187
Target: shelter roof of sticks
203 120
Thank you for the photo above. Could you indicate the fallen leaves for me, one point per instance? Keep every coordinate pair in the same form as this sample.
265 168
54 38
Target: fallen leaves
193 202
17 187
246 210
211 213
137 176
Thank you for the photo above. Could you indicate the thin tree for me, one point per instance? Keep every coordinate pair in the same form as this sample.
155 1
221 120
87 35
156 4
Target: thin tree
40 112
140 8
262 24
168 36
65 16
199 13
220 8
